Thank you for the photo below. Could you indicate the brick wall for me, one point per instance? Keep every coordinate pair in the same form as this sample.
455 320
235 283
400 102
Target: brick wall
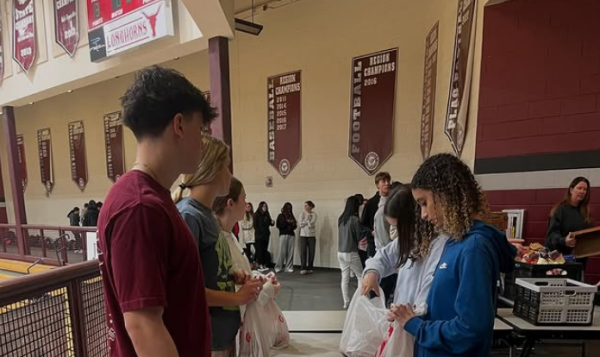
538 204
540 78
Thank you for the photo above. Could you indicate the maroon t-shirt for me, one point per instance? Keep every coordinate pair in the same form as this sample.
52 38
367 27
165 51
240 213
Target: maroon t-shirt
148 258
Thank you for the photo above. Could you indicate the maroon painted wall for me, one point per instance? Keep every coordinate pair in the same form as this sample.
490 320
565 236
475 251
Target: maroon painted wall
540 78
538 204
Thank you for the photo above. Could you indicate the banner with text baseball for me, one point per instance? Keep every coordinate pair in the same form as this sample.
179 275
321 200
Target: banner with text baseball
117 26
79 172
429 84
22 160
23 36
66 25
372 106
284 142
45 154
462 71
115 153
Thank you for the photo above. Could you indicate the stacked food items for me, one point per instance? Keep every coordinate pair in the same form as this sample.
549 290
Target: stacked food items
537 254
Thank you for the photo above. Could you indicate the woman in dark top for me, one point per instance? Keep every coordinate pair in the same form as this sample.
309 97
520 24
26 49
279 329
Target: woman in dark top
74 217
570 215
349 232
287 224
91 216
262 234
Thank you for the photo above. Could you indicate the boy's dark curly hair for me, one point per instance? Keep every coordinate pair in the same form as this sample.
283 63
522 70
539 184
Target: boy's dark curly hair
458 196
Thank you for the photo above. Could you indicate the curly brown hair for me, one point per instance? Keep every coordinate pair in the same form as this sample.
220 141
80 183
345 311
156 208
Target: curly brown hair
458 196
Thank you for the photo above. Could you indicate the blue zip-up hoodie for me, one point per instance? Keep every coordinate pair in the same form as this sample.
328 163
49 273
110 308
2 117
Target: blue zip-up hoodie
461 302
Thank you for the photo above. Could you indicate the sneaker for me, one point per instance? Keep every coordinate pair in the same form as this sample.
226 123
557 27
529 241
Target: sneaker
303 272
289 271
263 269
277 270
346 305
310 271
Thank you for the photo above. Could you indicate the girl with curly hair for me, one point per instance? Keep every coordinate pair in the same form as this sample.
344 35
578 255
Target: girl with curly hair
461 301
413 255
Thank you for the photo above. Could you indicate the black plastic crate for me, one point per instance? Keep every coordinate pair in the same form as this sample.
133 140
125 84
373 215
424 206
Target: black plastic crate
524 270
527 306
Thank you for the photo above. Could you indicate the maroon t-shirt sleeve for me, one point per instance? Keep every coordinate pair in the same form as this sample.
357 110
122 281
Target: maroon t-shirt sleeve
139 248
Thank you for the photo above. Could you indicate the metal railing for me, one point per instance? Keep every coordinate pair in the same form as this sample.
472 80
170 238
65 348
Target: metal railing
56 245
59 312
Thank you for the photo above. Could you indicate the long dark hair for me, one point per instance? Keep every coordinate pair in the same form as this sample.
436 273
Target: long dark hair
73 211
259 208
455 190
414 234
350 210
584 206
287 211
249 215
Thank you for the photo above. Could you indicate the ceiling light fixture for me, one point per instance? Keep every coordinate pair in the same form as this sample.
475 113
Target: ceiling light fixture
248 27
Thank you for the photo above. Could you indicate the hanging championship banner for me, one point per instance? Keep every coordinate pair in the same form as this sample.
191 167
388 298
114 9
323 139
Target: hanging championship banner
462 71
115 155
115 26
45 153
372 109
22 161
66 25
79 172
284 144
429 84
23 36
1 50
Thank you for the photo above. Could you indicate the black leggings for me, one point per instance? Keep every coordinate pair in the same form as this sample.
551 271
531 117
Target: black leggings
248 251
261 247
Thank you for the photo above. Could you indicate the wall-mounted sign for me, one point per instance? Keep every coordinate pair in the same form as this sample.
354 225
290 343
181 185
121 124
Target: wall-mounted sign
115 26
429 84
22 160
45 153
373 95
1 50
23 36
284 142
66 25
462 71
79 172
115 154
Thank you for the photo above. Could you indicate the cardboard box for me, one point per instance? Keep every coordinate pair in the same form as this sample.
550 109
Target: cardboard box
588 243
498 219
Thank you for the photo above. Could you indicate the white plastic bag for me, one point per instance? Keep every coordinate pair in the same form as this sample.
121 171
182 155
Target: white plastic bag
254 336
398 342
280 334
365 325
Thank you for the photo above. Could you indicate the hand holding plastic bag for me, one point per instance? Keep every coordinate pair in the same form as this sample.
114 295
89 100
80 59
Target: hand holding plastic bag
365 326
398 342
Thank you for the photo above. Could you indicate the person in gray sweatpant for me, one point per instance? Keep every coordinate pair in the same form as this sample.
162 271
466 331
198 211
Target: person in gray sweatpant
287 224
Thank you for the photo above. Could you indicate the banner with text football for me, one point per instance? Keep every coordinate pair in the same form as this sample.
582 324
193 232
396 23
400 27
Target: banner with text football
66 25
23 36
284 142
117 26
373 95
462 71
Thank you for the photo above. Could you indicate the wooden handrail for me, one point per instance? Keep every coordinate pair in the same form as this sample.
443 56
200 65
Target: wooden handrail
13 290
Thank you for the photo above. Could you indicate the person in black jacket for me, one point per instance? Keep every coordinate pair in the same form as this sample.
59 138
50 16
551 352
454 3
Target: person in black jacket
262 234
287 224
570 215
91 217
74 218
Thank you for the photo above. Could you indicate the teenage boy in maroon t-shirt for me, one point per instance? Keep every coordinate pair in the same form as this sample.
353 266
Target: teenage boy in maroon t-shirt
151 271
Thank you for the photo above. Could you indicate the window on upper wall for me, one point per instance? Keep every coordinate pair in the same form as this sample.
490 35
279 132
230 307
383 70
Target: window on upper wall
116 4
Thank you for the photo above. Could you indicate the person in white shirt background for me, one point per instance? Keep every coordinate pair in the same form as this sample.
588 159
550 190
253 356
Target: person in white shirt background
247 233
308 240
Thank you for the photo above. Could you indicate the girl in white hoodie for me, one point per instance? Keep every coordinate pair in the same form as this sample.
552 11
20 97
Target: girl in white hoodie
414 256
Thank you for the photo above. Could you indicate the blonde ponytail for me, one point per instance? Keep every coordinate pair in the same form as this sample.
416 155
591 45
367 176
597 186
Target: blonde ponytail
216 155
